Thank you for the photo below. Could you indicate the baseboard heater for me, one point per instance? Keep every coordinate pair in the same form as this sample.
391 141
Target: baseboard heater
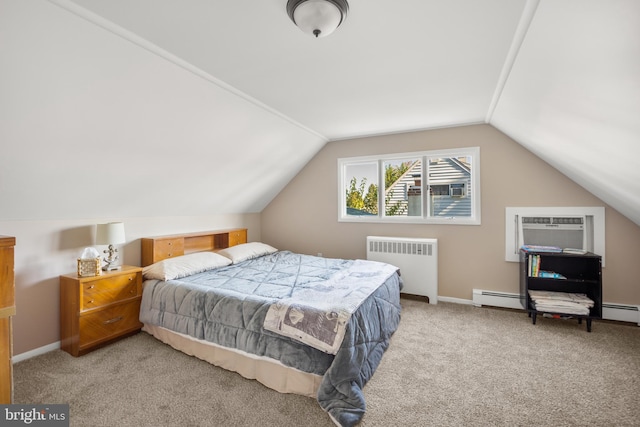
619 312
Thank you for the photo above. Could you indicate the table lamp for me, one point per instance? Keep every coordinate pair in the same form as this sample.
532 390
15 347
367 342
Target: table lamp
110 234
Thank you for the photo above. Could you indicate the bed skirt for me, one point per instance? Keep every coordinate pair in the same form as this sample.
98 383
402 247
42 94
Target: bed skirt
269 372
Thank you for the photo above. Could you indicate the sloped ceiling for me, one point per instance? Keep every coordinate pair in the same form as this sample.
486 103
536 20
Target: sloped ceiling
558 76
388 68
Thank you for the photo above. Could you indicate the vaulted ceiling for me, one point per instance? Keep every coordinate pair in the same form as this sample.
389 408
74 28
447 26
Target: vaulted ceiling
561 77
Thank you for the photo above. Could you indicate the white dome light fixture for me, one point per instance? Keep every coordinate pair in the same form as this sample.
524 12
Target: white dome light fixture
318 18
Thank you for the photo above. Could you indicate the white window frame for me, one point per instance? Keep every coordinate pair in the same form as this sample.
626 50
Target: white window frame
473 191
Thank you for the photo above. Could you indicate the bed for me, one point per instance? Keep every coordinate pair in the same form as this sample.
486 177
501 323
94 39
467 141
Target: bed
297 323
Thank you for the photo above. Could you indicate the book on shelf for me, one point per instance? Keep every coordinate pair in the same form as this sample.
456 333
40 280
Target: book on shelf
535 270
534 265
541 248
550 275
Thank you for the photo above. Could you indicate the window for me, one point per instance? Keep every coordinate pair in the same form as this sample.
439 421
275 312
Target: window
425 187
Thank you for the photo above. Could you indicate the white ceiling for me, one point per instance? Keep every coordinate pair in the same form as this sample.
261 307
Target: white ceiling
420 64
558 76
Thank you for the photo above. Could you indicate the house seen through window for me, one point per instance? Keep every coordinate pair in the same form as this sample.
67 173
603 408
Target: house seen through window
430 186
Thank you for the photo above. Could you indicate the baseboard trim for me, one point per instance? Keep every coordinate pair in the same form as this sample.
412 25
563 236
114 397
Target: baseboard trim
610 311
455 300
35 352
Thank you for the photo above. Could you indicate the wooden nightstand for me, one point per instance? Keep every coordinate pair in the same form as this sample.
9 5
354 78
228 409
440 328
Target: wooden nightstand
95 311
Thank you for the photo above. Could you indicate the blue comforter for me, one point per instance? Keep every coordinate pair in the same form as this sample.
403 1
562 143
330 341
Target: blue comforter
227 306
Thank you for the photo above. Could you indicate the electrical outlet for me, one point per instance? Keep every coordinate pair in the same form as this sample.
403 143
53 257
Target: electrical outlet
319 253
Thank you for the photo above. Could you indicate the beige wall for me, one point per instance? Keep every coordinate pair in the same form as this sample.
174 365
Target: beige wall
303 217
46 249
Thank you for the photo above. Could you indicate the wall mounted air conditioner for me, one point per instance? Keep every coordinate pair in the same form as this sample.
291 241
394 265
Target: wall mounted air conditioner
566 227
562 231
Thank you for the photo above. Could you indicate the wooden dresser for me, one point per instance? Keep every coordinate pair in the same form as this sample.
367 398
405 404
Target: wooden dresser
97 310
158 248
7 309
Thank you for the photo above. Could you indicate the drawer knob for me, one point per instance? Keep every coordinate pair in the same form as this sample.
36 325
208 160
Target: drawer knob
91 286
130 279
91 301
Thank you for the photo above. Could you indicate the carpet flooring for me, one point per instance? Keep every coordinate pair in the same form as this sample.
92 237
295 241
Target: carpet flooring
447 365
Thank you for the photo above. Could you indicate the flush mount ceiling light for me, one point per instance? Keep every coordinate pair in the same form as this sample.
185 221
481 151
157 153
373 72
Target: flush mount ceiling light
317 17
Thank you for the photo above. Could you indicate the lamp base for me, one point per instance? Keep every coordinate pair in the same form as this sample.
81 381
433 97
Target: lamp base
109 261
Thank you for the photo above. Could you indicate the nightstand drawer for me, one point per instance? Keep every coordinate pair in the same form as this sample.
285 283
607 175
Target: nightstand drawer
109 290
111 322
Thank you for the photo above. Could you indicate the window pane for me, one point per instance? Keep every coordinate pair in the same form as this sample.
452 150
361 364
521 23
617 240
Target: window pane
403 187
449 180
361 189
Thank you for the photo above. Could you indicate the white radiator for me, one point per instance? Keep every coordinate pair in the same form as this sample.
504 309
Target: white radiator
417 260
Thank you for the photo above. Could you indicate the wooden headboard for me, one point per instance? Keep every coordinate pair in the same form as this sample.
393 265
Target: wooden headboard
157 248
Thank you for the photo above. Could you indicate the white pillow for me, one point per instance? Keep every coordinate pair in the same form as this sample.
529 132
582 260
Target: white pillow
247 251
185 265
